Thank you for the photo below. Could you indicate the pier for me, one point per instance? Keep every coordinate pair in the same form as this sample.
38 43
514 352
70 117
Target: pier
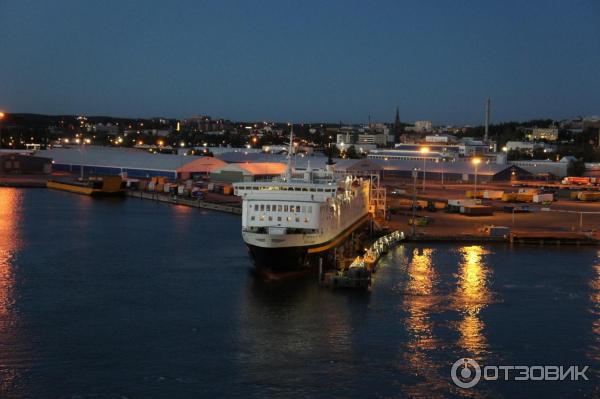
358 274
194 203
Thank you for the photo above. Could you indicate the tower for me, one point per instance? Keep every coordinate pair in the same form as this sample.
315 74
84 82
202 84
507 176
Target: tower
487 120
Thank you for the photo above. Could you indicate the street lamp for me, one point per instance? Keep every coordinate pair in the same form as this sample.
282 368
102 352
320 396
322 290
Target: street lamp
476 162
415 173
1 117
424 151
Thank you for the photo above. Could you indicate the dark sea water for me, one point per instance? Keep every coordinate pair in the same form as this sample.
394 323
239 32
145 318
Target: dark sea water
133 299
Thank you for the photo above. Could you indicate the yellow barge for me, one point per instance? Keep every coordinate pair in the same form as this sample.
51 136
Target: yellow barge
96 186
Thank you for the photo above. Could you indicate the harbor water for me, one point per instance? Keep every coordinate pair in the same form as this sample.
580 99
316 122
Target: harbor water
128 298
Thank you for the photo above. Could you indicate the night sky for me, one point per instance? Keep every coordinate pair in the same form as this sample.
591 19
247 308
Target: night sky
301 60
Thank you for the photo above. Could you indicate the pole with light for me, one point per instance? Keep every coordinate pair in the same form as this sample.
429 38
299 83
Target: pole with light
476 162
1 117
424 151
415 173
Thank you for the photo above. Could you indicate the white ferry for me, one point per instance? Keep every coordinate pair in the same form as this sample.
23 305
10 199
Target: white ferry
289 222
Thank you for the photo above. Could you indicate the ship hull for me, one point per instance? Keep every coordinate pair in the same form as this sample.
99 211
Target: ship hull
294 258
280 259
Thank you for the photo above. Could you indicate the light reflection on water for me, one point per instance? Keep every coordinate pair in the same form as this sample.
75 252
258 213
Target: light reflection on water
10 242
595 303
472 296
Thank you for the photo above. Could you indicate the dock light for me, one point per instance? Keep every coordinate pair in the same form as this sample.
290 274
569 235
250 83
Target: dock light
505 149
77 140
160 143
1 115
476 162
424 150
88 141
182 144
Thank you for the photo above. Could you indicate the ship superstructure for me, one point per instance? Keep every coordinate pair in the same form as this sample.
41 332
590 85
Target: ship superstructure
287 220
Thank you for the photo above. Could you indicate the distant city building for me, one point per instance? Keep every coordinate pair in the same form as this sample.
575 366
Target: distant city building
529 146
423 126
440 138
550 134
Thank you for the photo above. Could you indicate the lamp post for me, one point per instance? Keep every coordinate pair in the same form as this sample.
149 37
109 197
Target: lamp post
424 151
415 173
1 117
476 162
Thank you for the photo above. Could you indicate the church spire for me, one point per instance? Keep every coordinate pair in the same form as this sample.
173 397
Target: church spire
397 130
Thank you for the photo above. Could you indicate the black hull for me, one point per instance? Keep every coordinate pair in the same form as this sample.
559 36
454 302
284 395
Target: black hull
280 259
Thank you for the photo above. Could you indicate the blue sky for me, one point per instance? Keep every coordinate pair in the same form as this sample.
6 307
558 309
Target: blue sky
302 60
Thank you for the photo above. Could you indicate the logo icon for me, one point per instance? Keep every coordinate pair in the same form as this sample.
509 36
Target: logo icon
465 373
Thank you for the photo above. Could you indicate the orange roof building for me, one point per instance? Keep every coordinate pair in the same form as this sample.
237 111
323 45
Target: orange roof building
200 166
237 172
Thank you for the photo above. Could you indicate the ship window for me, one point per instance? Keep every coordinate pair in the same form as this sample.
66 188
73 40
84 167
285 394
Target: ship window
268 208
297 208
309 209
256 207
289 219
252 218
305 189
278 208
262 217
291 208
279 218
285 208
303 209
305 220
270 218
320 190
273 207
297 220
296 188
262 207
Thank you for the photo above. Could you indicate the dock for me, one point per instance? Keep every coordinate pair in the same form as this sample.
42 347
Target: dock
194 203
552 238
359 273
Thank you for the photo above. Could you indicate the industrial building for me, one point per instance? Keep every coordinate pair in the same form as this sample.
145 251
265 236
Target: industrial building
96 160
17 163
453 171
238 172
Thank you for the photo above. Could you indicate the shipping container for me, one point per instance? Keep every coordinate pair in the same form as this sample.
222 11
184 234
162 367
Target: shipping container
543 198
589 196
493 194
477 210
509 197
524 197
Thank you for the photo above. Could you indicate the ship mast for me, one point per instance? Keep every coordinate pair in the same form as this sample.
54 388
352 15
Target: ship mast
288 172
